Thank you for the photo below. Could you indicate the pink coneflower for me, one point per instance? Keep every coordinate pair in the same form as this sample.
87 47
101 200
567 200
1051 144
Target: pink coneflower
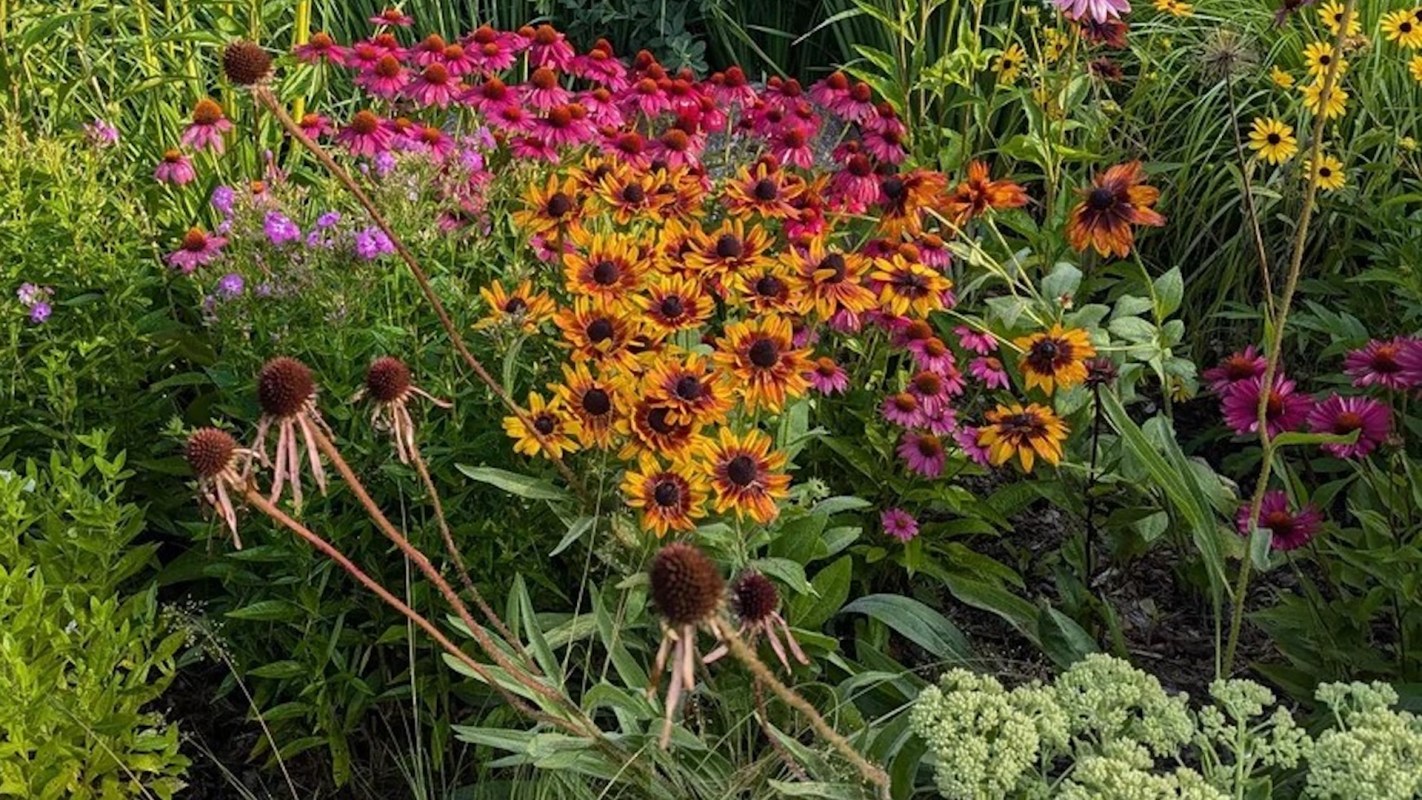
899 524
932 353
676 148
391 17
831 90
1098 10
857 105
512 120
886 144
602 110
491 50
827 377
198 248
432 140
967 438
647 97
367 134
221 468
942 421
566 127
534 147
989 370
315 125
629 147
1287 410
933 390
390 388
856 185
490 97
207 127
386 79
363 56
175 168
320 47
984 344
933 251
732 88
457 60
1290 529
429 51
549 48
1372 419
923 453
1379 363
543 91
601 66
1236 368
903 409
434 86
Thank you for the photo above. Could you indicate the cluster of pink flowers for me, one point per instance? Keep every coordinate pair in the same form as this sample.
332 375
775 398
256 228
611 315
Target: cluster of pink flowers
1393 366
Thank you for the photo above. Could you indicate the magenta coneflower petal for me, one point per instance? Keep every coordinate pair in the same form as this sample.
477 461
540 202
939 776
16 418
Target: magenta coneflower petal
1290 529
1235 368
924 453
1287 410
1371 418
899 524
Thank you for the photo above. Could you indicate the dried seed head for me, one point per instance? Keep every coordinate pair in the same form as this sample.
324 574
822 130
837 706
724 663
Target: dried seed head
388 379
754 597
209 451
284 387
686 586
246 63
1100 372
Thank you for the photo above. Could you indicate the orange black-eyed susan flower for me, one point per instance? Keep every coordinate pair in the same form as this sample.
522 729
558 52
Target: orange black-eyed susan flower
655 432
603 266
682 191
553 422
978 192
523 309
688 385
763 189
588 174
595 331
1055 358
673 303
596 404
671 498
834 281
630 195
903 197
1117 200
907 287
550 209
717 255
1024 433
768 288
761 356
747 475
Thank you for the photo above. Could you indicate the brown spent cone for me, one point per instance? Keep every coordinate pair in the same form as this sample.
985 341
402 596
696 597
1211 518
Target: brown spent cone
284 387
754 597
246 63
388 379
209 451
686 585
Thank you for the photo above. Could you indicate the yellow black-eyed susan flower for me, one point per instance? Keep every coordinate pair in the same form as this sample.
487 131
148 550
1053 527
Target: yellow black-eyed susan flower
1273 140
1055 358
747 475
1026 434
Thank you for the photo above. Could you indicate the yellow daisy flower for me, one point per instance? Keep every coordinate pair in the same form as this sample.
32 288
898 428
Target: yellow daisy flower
1329 173
1318 57
551 419
1027 433
1333 105
1281 78
671 498
1415 67
1402 27
1055 358
1331 15
1273 140
1175 8
1010 63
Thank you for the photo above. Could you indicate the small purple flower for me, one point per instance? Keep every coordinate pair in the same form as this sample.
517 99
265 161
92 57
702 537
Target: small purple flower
899 524
222 198
328 219
29 294
924 453
827 377
1285 410
1372 419
101 133
280 229
39 312
230 286
372 243
384 163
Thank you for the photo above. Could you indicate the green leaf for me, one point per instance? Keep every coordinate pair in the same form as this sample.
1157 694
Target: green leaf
916 622
1064 641
791 573
514 483
828 791
1291 438
1259 541
580 528
267 611
1169 291
1063 282
831 587
835 505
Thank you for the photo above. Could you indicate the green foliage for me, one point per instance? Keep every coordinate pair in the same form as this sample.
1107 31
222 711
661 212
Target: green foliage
84 653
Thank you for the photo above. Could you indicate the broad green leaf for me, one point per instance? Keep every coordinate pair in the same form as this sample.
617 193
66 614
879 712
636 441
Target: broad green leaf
514 483
1064 641
1169 291
916 622
831 586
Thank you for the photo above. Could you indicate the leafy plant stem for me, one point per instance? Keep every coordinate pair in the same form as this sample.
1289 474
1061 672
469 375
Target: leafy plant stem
1276 345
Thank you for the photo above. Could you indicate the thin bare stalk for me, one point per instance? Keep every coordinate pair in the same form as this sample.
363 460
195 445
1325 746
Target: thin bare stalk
737 646
422 562
453 550
1249 207
256 500
264 96
1276 344
763 717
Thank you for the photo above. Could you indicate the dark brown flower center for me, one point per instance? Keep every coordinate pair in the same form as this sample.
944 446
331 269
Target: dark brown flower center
605 273
769 286
365 123
672 307
545 424
741 470
597 402
729 246
1101 198
1046 354
1347 422
436 74
667 493
207 112
600 330
1274 138
766 190
834 262
634 193
194 241
929 446
515 305
688 387
659 420
764 353
558 205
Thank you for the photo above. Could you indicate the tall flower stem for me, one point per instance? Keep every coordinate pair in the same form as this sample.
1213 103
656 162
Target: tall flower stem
264 96
256 500
738 648
1276 344
1249 207
453 550
1088 554
423 564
